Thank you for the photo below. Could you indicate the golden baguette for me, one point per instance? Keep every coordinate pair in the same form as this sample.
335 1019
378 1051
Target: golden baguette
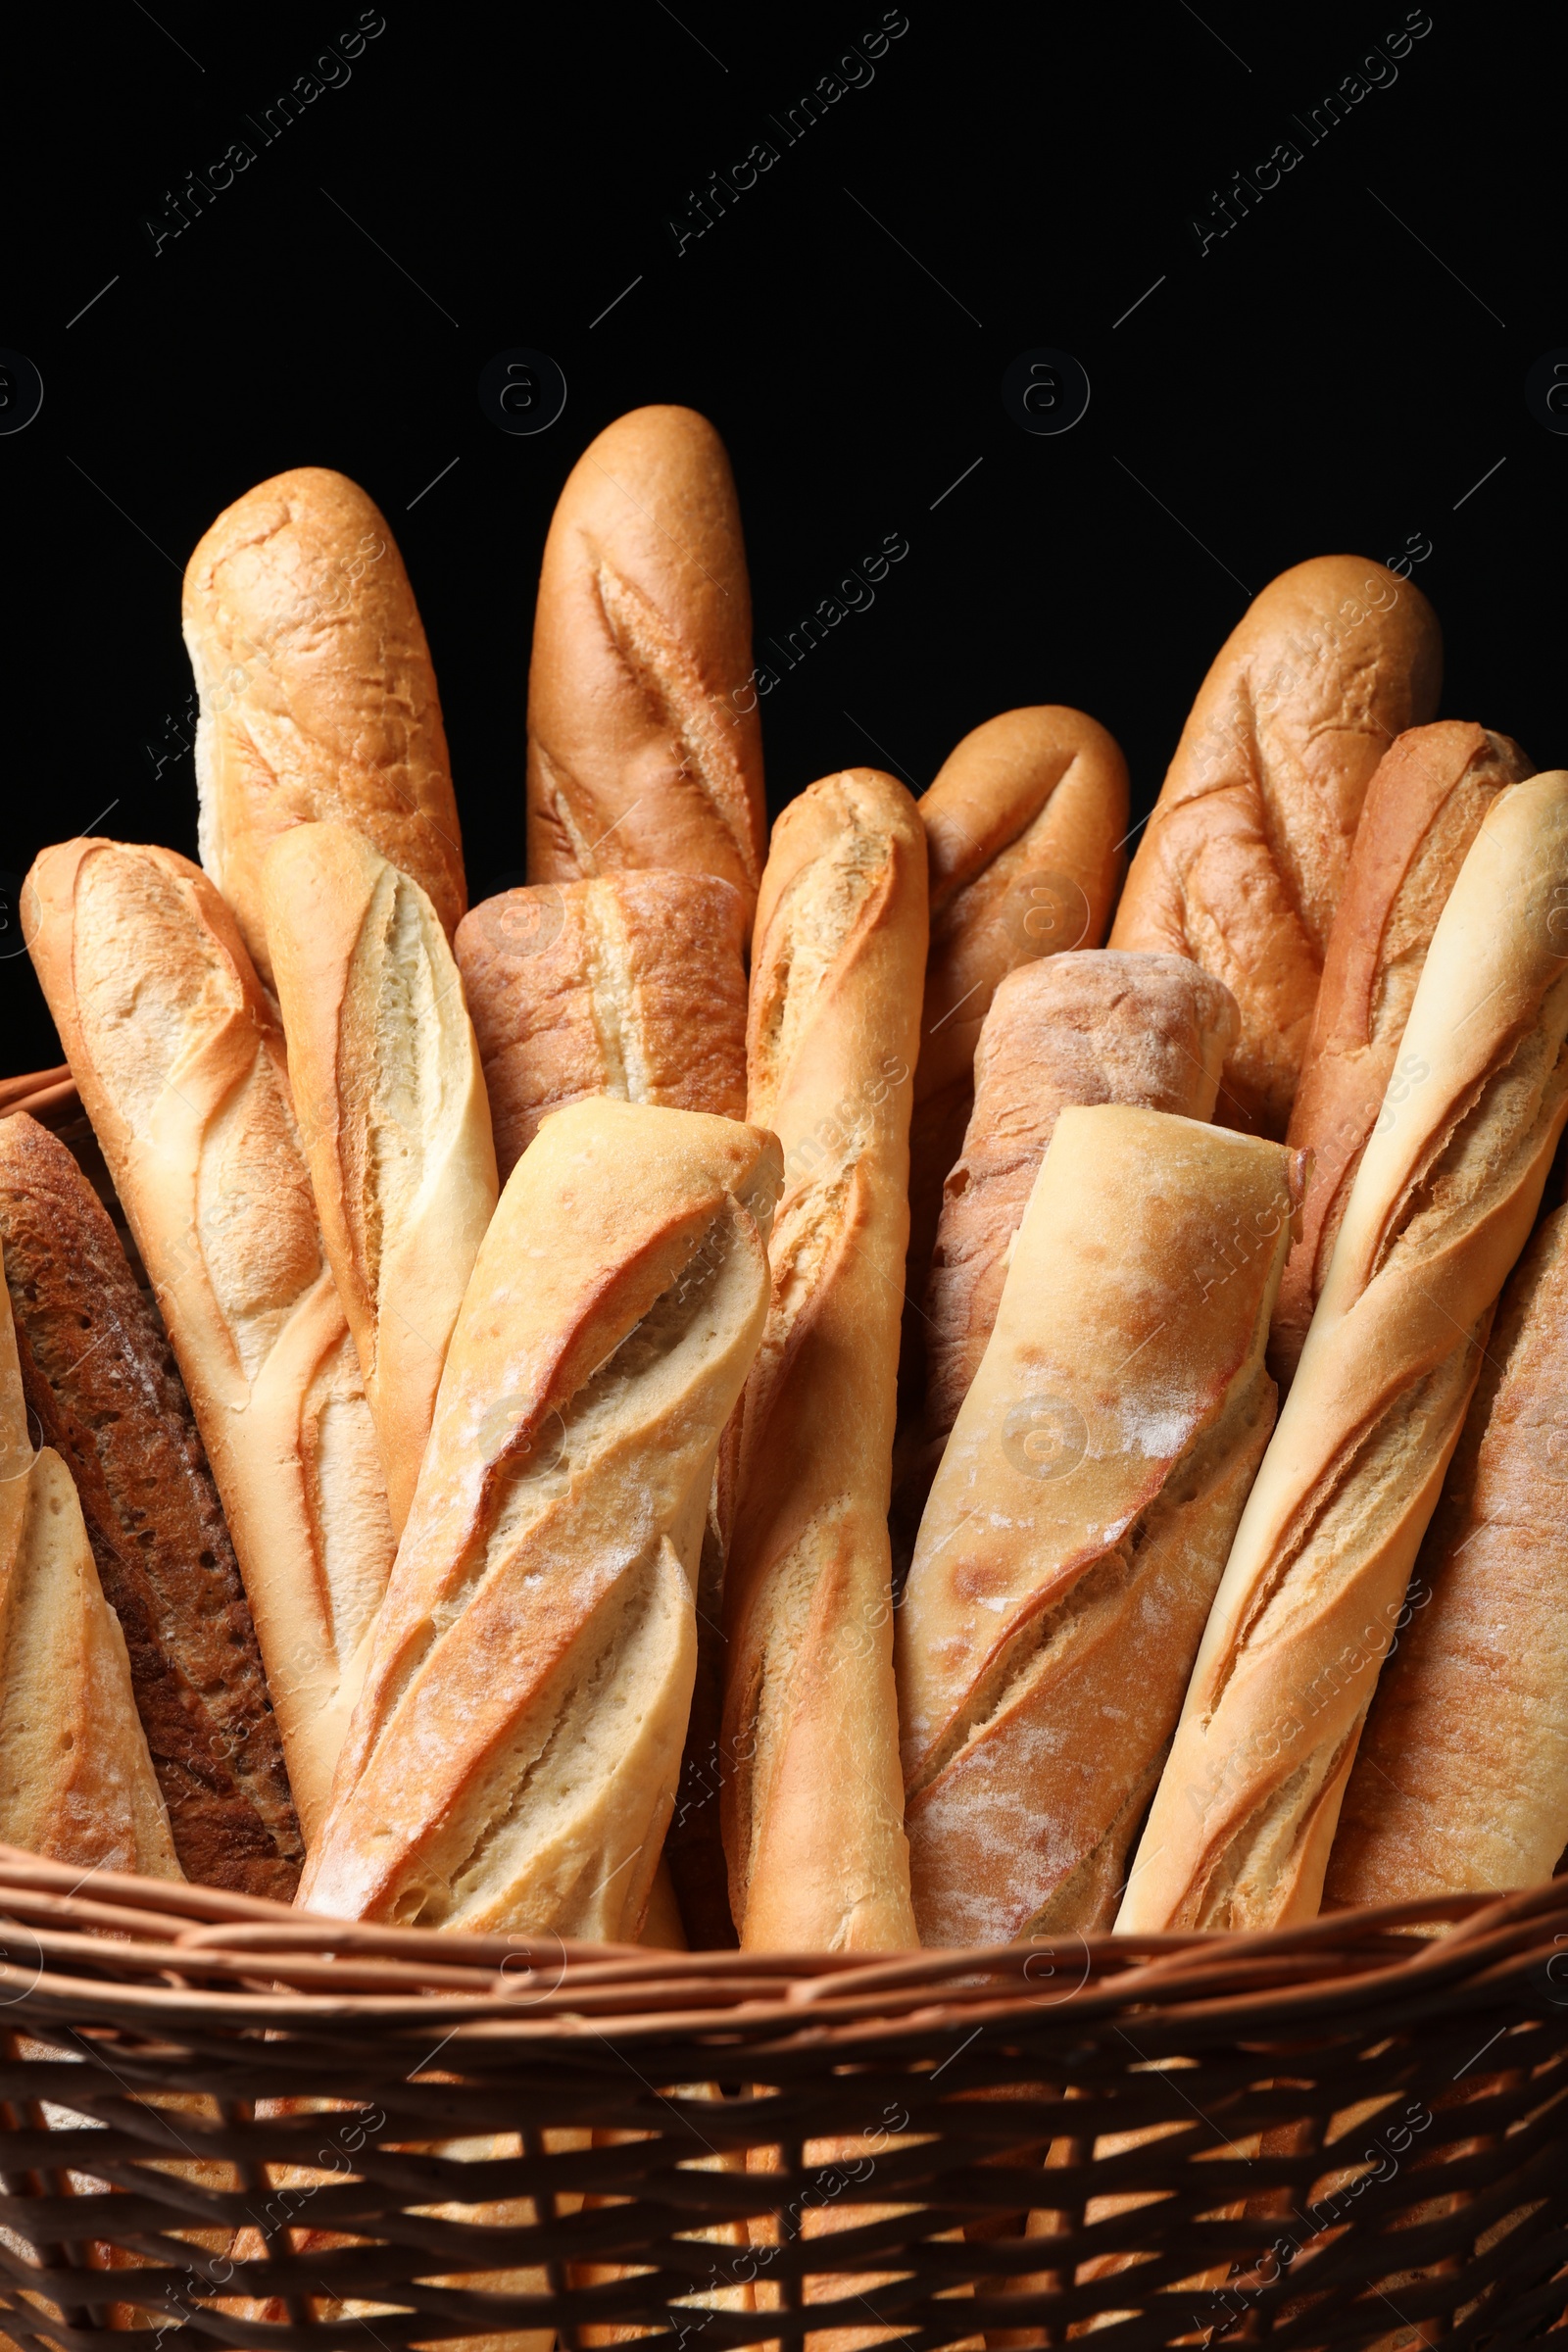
1461 1778
1424 808
639 753
1149 1031
1241 863
633 984
180 1062
76 1782
514 1757
811 1802
1448 1188
397 1126
1024 824
1079 1520
318 698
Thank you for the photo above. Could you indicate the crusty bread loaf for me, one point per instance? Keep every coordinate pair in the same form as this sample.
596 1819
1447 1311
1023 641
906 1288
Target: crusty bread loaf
1461 1778
1149 1031
76 1782
811 1802
395 1125
1082 1515
100 1382
631 985
1244 858
1443 1202
514 1757
318 698
1024 825
1424 808
179 1058
644 745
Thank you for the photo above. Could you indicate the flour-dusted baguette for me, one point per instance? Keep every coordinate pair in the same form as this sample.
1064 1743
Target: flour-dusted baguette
1149 1031
395 1125
1461 1778
77 1783
633 984
1442 1205
1082 1515
811 1801
514 1756
100 1382
1244 858
180 1062
1424 808
1024 825
644 744
317 695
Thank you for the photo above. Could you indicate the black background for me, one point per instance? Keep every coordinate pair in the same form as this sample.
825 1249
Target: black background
1327 376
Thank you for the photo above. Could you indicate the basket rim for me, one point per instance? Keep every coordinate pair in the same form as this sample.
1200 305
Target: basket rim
149 1953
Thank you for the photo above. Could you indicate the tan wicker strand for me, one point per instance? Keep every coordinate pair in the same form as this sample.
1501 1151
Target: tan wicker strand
1407 2097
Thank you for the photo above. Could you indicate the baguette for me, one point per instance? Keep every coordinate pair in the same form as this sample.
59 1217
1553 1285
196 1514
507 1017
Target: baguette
812 1804
1244 856
1461 1778
397 1135
514 1757
317 694
180 1062
1423 810
1024 824
77 1783
1081 1517
1443 1202
100 1382
638 753
1148 1031
631 985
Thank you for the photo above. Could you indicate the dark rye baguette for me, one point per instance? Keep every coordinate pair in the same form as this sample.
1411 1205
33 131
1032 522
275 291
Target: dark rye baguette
100 1381
1424 808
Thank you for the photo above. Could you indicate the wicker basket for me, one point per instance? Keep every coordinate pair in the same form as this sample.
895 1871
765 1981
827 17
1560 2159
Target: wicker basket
1333 2136
228 2123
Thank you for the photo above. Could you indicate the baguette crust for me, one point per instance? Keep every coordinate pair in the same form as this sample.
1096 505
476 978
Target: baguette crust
1424 808
811 1803
1443 1202
631 985
179 1059
514 1758
318 698
397 1136
77 1783
1244 856
1148 1031
98 1377
642 644
1079 1520
1024 825
1461 1778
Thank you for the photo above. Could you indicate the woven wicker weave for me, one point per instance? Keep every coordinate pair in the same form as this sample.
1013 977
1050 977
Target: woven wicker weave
1344 2135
